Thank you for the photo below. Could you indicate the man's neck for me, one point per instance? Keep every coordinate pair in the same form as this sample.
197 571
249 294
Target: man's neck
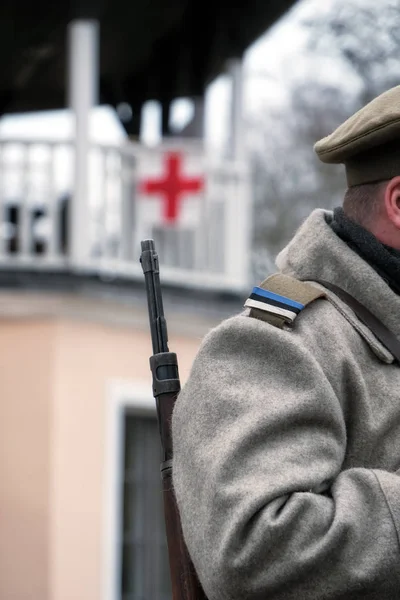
382 257
382 229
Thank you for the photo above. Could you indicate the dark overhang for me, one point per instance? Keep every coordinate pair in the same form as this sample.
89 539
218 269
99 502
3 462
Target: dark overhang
154 49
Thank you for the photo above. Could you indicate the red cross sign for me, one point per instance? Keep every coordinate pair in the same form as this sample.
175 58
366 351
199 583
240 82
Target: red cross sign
172 185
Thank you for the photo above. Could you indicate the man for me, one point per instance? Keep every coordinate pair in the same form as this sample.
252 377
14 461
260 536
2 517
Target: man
287 434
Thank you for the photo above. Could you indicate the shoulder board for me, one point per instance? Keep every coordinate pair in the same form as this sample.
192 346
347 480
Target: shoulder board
279 299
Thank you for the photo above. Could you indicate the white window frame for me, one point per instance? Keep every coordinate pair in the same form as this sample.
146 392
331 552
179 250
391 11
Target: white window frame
120 397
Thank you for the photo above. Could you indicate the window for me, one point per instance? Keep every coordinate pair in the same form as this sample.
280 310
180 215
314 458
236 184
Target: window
145 568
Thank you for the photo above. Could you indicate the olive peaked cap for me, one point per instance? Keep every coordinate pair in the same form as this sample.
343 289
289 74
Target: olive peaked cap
368 143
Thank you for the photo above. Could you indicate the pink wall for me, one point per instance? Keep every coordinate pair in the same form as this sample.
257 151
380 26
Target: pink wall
26 379
54 378
88 357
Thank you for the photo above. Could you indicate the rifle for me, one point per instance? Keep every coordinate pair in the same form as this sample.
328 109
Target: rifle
166 386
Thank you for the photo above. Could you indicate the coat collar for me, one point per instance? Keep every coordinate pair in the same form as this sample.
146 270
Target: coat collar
317 253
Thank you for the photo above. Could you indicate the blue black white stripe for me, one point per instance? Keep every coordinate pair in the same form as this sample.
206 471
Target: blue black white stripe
274 304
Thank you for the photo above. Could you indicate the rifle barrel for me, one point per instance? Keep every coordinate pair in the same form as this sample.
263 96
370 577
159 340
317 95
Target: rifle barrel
166 386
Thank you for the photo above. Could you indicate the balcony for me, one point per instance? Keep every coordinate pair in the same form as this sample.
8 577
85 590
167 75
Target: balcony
207 246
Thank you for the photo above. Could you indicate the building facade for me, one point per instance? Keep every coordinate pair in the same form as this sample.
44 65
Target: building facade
81 506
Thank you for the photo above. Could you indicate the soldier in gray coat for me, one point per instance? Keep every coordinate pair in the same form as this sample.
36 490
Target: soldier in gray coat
287 433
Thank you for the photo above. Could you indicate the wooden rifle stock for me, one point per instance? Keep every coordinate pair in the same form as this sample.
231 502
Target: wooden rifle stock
166 386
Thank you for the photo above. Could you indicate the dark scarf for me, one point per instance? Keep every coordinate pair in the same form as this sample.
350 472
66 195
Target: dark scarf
383 259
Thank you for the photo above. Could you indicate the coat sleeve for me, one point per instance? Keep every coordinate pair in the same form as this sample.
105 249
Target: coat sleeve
267 511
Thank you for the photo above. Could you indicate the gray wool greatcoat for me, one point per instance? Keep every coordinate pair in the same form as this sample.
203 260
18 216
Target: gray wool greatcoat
287 443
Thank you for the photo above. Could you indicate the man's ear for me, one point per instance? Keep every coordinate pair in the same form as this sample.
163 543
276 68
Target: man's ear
392 201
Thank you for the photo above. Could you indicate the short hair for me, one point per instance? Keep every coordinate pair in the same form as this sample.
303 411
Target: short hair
362 203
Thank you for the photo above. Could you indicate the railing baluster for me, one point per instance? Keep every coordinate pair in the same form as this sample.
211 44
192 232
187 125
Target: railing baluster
3 225
201 233
54 216
24 221
103 208
114 206
127 208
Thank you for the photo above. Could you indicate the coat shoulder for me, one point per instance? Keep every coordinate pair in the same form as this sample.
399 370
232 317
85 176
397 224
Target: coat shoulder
280 298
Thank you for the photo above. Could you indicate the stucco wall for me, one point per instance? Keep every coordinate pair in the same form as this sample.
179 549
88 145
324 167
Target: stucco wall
26 379
87 358
54 376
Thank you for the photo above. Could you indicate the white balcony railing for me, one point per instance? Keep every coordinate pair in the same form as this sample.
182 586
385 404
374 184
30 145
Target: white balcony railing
35 203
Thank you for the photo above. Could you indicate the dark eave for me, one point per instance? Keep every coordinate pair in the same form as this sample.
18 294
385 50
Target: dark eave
149 50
